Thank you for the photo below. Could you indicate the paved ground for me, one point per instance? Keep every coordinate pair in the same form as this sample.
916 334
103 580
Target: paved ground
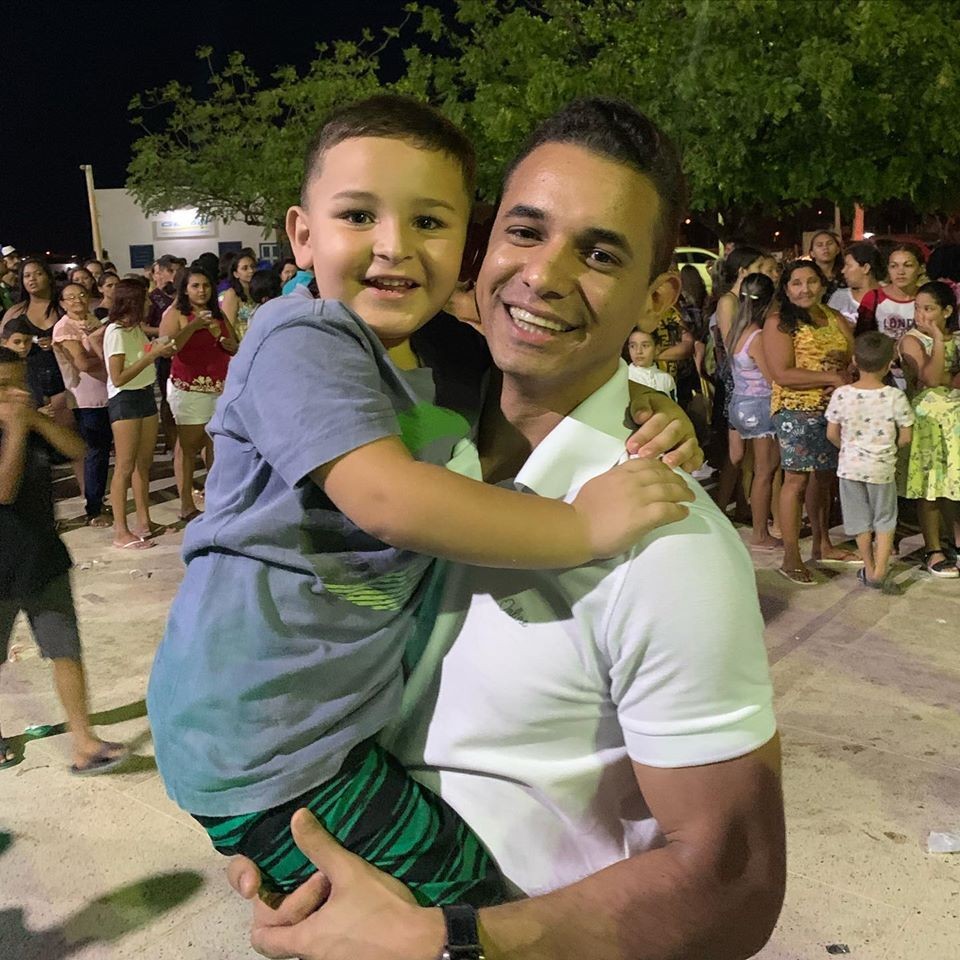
867 695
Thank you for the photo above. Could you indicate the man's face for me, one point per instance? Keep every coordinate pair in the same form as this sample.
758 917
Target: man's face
12 262
20 344
384 230
566 275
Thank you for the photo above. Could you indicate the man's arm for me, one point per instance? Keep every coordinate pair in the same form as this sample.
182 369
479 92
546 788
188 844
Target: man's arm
13 450
713 892
64 440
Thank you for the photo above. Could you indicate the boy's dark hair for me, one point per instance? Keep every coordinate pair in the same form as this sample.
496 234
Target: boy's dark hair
394 117
265 285
8 356
616 130
16 325
873 351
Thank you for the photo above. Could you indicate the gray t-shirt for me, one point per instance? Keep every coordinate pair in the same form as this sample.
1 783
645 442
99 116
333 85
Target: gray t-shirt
284 643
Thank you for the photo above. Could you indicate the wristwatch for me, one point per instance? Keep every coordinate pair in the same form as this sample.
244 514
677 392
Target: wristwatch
463 938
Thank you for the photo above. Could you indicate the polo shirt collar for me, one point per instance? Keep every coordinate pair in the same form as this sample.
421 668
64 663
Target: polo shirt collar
587 442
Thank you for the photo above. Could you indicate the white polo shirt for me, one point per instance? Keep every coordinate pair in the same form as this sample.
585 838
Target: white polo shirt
536 689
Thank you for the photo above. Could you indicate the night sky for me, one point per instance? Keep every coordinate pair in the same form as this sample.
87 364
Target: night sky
68 82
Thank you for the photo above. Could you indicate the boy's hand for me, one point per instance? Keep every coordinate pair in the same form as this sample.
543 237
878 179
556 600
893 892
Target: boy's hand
624 504
665 429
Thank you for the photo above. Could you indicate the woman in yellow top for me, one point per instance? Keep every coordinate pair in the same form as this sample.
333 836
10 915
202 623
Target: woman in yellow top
808 347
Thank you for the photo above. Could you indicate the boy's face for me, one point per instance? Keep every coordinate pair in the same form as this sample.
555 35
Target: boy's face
642 349
20 344
384 230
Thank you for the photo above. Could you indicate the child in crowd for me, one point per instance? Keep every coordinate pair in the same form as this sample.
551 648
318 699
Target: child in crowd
17 335
34 563
931 364
643 364
868 421
326 502
264 285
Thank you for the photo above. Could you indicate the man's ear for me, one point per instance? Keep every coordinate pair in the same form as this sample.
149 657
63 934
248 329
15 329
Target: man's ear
298 232
663 294
463 305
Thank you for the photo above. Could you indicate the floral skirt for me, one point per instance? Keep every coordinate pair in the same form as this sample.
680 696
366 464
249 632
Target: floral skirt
933 467
804 446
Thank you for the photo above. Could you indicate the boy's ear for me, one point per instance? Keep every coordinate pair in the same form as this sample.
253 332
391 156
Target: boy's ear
298 232
463 305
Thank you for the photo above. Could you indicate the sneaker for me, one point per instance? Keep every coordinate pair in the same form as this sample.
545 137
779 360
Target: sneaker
943 569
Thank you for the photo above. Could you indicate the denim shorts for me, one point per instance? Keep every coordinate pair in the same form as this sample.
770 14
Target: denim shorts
132 404
751 417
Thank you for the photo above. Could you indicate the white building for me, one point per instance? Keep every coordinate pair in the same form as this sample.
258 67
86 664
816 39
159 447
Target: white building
133 240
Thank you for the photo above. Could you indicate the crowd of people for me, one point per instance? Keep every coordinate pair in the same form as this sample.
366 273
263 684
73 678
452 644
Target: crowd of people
771 358
583 703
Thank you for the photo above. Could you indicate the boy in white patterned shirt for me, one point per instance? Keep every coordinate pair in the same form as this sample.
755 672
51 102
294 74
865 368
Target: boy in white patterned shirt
868 421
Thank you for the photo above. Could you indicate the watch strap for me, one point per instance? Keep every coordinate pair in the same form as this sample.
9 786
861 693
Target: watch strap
463 936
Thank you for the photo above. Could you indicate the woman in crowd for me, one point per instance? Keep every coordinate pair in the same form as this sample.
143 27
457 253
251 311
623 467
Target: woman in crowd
107 284
132 408
862 270
205 343
740 262
807 346
929 354
86 279
889 308
236 301
95 268
751 424
39 307
825 251
78 340
287 269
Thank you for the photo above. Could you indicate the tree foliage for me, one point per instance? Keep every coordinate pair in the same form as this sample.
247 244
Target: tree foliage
774 103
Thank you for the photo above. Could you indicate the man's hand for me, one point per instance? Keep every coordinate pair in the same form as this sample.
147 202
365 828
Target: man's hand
365 914
624 504
665 429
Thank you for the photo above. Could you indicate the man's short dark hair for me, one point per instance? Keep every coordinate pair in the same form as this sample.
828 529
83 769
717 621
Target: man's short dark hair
397 118
170 262
873 351
616 130
16 325
9 356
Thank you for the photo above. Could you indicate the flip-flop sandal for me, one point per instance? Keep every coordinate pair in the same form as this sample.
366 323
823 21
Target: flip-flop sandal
133 545
872 584
190 516
99 522
155 531
765 547
102 761
6 761
791 575
848 560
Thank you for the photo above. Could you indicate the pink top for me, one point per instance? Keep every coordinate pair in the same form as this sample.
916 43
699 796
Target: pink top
88 391
200 365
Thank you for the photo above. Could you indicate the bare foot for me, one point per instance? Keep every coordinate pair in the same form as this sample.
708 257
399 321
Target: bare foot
836 555
98 756
765 543
99 522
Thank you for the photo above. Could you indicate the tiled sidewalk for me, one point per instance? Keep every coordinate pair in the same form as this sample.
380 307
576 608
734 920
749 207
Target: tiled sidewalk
868 689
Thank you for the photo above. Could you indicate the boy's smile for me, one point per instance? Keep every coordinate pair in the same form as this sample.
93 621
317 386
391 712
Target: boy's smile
384 231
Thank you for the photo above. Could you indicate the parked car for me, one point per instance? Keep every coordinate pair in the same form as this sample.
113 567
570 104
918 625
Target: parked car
699 257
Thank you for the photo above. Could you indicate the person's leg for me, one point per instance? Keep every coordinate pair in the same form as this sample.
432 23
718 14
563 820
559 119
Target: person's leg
191 440
126 438
54 622
8 615
94 424
883 550
729 471
822 548
776 487
141 476
375 809
791 497
766 461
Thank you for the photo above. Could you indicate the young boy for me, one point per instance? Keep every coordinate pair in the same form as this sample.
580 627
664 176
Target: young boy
34 563
282 656
868 421
17 335
643 364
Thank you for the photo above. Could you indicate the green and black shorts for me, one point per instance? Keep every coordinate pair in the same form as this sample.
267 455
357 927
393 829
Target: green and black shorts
375 809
